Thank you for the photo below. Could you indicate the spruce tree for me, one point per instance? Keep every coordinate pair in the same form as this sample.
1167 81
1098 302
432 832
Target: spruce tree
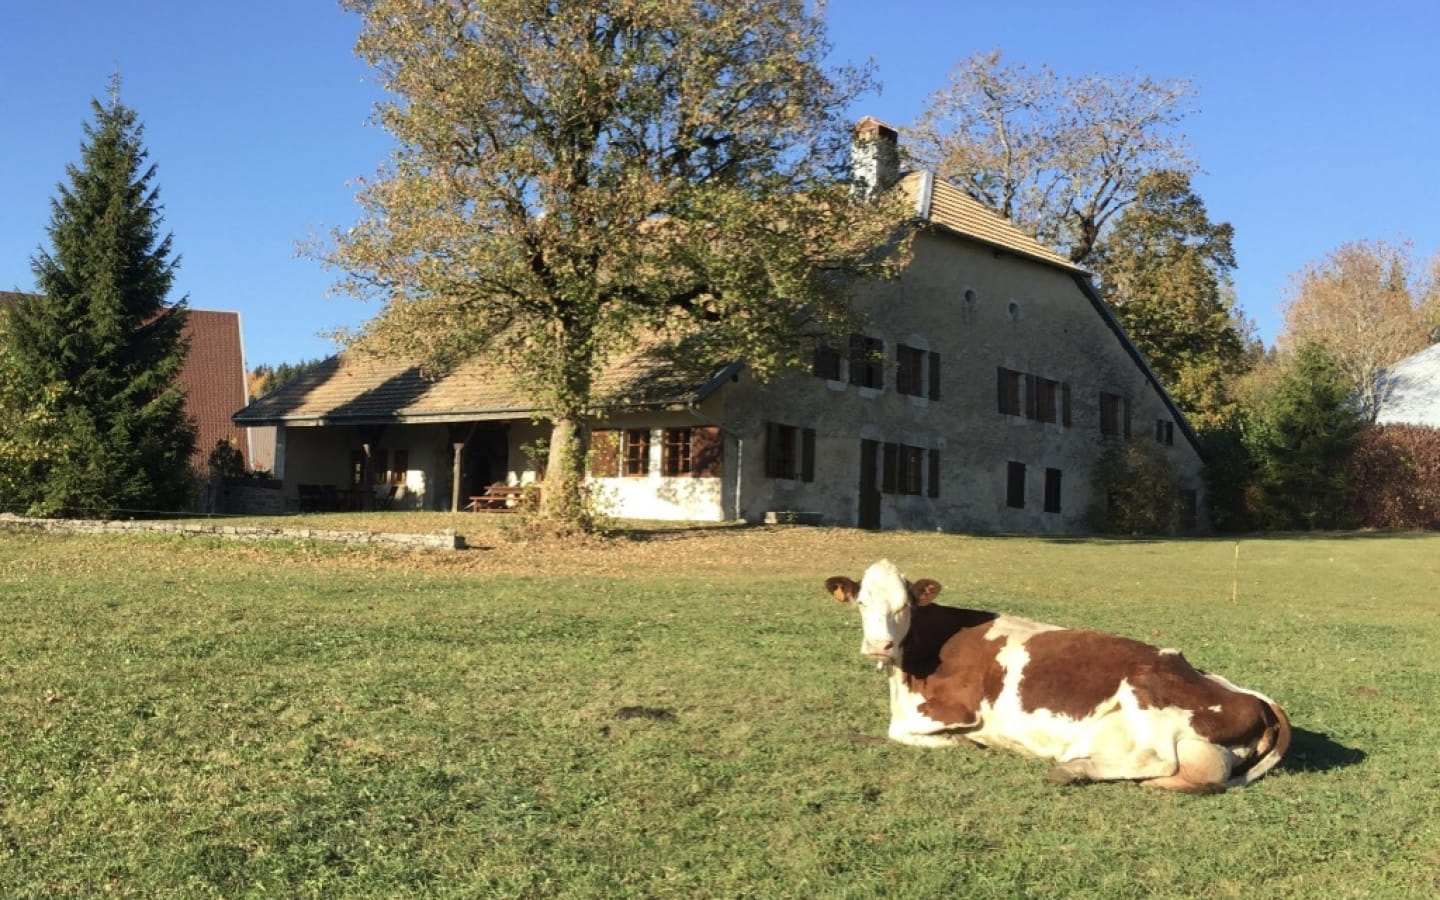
100 346
1300 440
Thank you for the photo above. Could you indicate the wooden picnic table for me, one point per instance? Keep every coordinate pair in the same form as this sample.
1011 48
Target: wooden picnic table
500 498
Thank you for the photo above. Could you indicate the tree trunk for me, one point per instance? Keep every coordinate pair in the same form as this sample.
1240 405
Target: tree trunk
563 499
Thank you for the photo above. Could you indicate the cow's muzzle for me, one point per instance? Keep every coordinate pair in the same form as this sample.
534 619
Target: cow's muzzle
879 650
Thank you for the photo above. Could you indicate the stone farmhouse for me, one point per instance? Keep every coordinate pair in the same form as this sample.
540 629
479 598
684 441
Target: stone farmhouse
985 384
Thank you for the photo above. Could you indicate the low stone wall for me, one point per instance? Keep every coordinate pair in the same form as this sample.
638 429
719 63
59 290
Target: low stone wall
251 497
446 540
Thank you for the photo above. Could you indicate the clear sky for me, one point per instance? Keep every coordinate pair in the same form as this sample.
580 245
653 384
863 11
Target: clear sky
1316 124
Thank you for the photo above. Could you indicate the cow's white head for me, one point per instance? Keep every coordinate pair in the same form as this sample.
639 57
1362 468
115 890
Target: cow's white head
886 601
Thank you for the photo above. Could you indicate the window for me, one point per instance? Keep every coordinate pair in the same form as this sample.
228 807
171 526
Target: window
1165 431
379 466
1047 400
382 470
675 453
1052 490
909 370
903 471
1008 395
867 361
637 452
1113 419
934 375
911 460
1015 485
789 452
826 362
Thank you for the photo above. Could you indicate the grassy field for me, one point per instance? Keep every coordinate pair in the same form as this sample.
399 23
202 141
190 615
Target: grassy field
675 713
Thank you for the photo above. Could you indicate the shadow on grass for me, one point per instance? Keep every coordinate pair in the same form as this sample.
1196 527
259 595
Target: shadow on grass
1311 751
1223 538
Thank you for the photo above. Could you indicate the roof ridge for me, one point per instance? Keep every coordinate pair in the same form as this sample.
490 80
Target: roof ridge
953 208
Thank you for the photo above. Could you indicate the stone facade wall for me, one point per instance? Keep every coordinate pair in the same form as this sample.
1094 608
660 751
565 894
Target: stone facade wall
446 540
979 311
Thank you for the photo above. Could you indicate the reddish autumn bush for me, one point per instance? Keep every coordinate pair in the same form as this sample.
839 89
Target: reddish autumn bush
1395 477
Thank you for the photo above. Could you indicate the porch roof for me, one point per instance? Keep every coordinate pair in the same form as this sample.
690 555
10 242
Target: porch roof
359 389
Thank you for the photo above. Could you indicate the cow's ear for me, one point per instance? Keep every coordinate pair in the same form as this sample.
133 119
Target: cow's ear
842 589
925 590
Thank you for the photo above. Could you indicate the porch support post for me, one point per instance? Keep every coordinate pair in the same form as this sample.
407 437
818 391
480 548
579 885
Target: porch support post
458 451
370 442
459 436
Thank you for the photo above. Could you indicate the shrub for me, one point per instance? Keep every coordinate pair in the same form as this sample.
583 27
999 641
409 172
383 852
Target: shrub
1395 477
1140 491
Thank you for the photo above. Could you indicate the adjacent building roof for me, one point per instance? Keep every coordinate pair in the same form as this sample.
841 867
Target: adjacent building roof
1412 390
359 388
214 378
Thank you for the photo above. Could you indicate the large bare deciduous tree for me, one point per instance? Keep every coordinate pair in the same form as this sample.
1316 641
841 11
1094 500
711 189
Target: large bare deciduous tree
572 176
1060 156
1367 304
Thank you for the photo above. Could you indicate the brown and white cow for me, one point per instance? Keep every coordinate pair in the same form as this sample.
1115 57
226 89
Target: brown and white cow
1106 708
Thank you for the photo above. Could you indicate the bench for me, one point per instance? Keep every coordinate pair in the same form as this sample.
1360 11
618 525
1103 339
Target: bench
503 498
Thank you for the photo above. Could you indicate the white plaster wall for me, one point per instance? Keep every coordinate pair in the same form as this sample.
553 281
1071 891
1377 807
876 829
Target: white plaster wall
653 496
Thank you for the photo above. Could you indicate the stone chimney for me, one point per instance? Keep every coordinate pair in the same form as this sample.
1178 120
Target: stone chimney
874 156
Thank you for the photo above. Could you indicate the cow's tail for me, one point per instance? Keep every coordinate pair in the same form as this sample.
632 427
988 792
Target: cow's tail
1269 749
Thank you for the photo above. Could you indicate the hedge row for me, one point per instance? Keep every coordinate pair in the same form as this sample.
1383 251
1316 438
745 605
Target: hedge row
1395 477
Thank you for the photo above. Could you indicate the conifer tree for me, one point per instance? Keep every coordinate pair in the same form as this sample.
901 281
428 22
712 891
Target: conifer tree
1300 439
99 345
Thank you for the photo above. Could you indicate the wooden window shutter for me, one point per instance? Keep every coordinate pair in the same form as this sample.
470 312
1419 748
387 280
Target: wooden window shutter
772 451
890 474
933 481
604 453
934 385
1032 398
807 454
707 452
1065 404
858 353
1001 394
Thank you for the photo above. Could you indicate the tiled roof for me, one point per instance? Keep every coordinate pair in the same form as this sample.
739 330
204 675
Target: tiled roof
942 204
360 388
214 379
1414 390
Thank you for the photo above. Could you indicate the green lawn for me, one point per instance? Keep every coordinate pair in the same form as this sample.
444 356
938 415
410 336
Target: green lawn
675 713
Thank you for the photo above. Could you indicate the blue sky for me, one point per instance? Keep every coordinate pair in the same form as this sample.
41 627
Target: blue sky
1316 124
